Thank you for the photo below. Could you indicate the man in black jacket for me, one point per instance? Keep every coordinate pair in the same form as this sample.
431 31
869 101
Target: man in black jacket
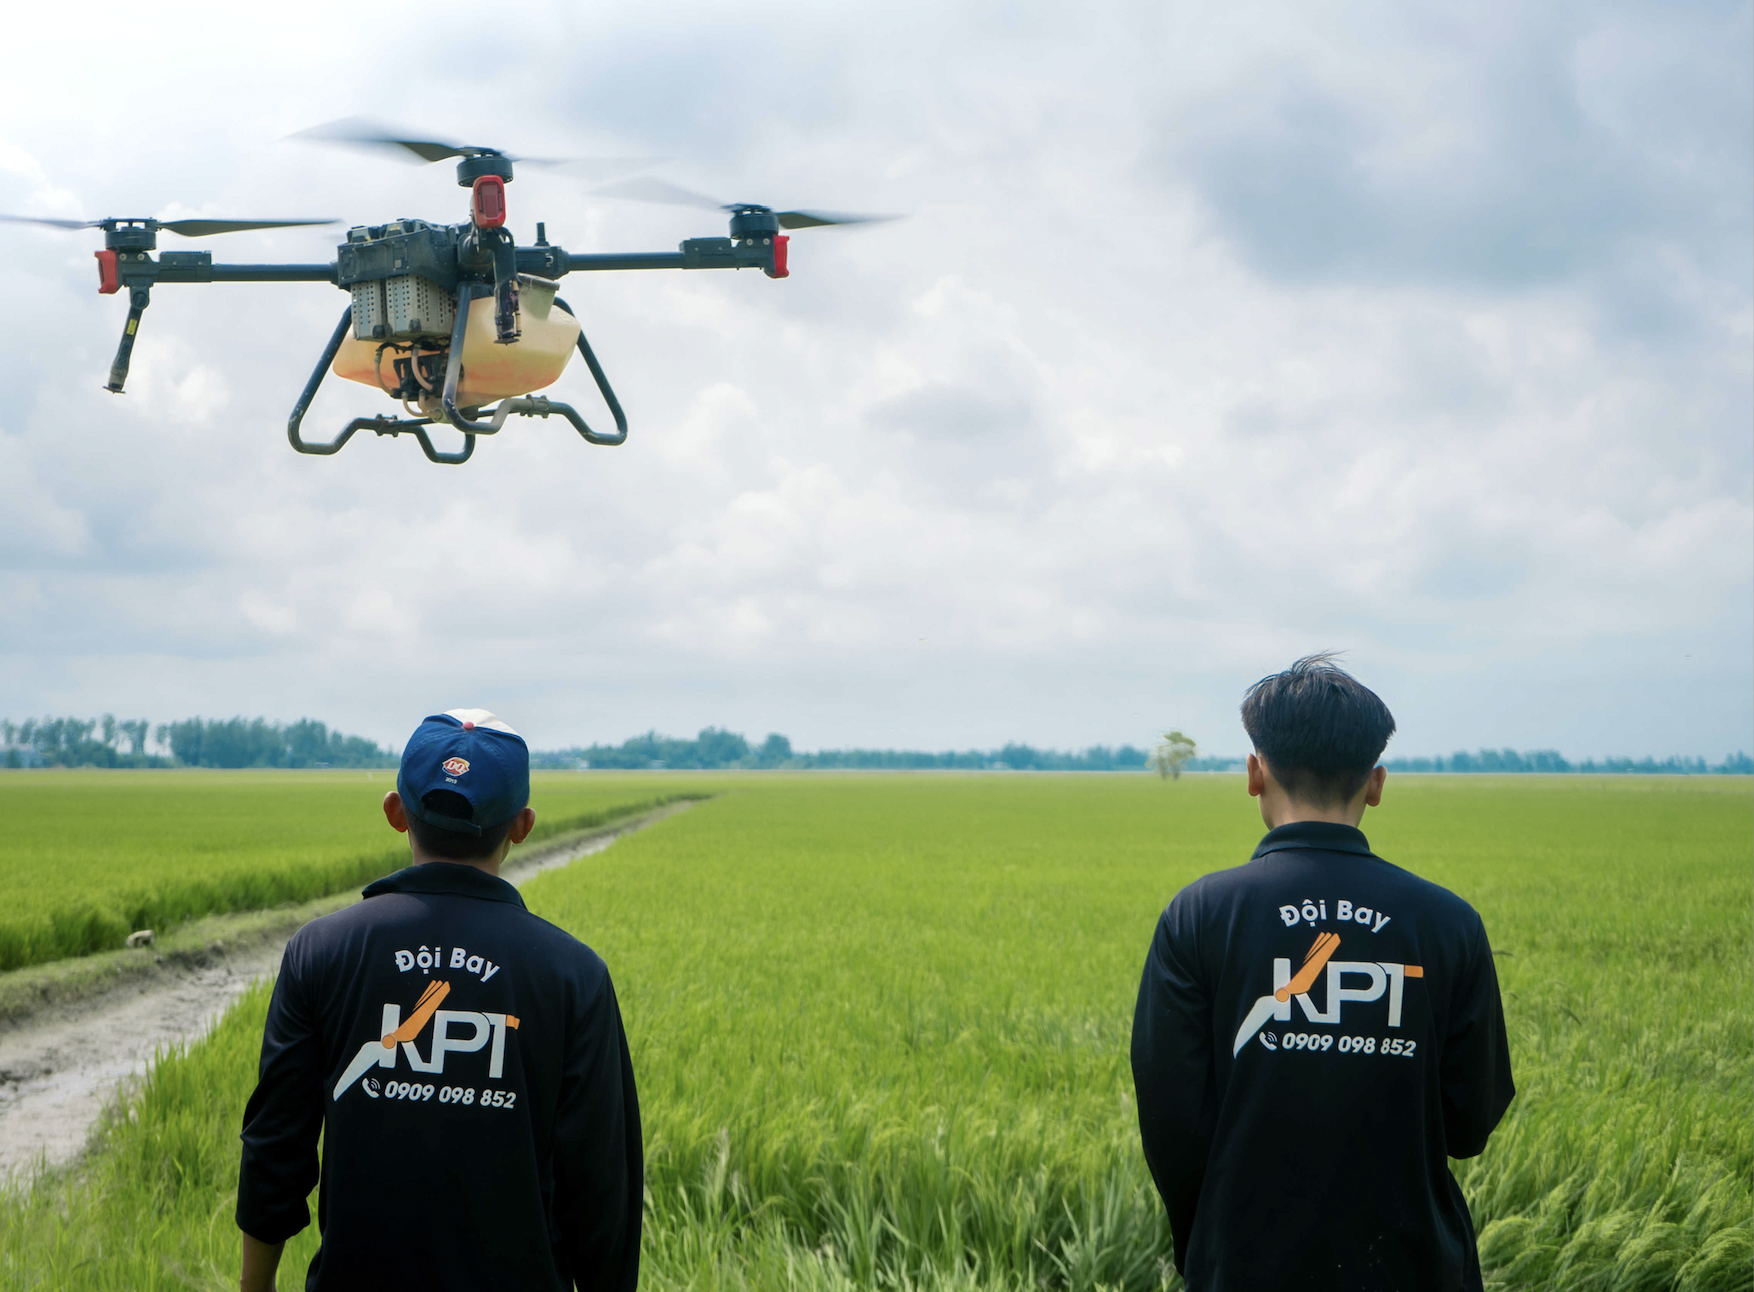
1317 1031
464 1061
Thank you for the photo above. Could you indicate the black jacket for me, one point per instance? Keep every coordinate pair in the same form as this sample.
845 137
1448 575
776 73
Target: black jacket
1316 1032
493 1143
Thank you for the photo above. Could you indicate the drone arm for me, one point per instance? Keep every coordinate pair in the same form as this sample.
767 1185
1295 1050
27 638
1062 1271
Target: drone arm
695 253
138 299
139 272
264 274
198 267
626 260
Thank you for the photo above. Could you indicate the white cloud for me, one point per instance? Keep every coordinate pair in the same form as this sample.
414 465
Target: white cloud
1214 336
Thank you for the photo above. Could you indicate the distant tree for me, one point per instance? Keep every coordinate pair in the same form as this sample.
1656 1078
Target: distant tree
716 747
136 733
776 749
1171 754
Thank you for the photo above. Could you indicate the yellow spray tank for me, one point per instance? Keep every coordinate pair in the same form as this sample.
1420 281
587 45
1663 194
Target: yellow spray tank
420 318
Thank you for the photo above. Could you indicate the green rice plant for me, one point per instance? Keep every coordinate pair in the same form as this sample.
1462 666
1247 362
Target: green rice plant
150 1207
880 1026
92 856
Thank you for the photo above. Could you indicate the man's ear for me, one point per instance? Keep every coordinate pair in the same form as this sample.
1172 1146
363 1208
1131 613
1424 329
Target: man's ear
395 813
1373 786
522 824
1257 776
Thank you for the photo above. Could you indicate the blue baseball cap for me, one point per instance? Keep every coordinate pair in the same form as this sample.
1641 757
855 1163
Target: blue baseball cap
468 752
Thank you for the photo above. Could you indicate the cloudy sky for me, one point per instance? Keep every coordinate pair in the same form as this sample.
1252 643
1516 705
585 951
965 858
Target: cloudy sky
1216 334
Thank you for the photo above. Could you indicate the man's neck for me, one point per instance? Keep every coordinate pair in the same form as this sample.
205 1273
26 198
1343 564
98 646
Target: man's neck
1278 807
1291 813
487 865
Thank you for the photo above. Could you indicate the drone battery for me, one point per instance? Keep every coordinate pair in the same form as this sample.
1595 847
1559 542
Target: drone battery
416 306
370 322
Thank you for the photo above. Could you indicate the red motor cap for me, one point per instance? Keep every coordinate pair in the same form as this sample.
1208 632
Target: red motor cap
487 202
108 283
778 268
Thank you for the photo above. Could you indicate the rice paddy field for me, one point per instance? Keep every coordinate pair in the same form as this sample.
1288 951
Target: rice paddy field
91 856
880 1022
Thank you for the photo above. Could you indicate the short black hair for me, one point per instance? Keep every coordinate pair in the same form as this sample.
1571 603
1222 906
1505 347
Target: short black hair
454 845
1319 729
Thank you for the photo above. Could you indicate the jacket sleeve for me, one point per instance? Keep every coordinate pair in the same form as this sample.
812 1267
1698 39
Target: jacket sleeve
284 1115
1173 1077
1475 1070
599 1164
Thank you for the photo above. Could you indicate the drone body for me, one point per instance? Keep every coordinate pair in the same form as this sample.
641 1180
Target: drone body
445 319
408 318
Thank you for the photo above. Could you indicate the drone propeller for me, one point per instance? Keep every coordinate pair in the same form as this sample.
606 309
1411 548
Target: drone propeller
185 228
53 224
652 189
369 134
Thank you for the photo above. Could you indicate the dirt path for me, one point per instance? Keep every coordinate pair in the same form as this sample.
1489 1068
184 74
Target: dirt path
59 1068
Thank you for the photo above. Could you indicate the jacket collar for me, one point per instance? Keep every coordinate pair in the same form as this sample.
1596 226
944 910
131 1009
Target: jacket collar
1313 836
448 877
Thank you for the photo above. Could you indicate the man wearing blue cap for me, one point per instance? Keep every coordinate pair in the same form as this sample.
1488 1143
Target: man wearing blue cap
463 1061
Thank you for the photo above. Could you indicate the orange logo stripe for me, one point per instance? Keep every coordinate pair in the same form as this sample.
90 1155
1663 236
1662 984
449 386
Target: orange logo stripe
1320 951
430 1000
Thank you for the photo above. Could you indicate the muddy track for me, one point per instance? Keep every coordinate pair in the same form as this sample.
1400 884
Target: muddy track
62 1063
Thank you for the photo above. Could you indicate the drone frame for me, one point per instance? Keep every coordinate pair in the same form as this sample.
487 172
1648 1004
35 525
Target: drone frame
487 262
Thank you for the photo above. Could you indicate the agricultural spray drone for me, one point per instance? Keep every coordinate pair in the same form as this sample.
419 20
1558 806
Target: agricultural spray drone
445 319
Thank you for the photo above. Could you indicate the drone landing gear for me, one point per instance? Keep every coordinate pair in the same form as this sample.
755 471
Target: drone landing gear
383 424
470 421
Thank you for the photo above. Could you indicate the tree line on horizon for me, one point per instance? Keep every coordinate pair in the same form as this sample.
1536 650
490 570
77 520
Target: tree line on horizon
256 742
1551 760
193 742
716 748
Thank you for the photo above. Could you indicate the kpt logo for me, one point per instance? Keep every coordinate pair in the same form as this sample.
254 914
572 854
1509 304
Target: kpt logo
1383 976
397 1032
